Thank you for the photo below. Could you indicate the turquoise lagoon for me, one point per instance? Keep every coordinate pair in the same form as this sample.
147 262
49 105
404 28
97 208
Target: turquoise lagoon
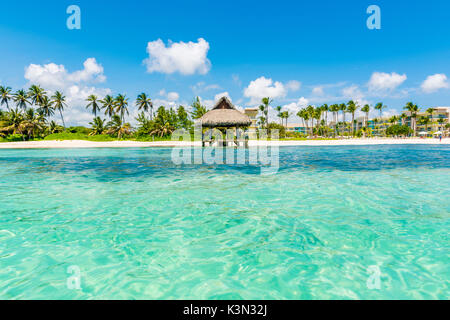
138 226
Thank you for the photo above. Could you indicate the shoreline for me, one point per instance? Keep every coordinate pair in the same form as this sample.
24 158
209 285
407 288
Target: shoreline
60 144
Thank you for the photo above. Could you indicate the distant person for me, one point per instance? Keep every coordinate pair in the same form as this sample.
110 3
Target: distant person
440 138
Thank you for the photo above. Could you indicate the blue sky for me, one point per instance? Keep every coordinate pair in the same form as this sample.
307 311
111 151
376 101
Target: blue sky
300 52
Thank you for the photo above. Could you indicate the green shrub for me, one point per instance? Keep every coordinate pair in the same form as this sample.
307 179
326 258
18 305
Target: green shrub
14 137
398 130
78 136
275 126
295 135
78 129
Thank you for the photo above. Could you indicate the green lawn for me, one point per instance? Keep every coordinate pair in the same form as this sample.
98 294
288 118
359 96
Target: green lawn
78 136
104 137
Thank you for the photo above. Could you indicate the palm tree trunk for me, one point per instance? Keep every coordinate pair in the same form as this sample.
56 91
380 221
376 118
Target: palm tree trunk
353 130
415 126
62 118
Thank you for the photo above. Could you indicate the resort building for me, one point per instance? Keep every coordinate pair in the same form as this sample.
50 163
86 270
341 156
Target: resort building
437 120
296 127
252 113
379 125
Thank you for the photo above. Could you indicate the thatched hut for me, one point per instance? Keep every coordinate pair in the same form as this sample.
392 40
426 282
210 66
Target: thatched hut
224 115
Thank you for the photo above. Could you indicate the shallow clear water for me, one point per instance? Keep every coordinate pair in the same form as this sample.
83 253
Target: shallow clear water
138 226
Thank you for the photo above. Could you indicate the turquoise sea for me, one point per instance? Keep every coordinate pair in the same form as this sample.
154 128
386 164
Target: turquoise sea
137 226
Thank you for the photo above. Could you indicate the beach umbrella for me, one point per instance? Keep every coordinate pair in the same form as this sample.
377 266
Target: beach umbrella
422 133
437 132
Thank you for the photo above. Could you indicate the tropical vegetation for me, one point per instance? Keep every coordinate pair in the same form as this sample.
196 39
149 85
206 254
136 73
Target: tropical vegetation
33 114
28 115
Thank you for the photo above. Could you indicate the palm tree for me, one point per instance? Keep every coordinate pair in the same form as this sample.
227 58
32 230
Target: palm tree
264 107
423 120
117 127
53 127
304 115
46 108
21 99
310 115
108 105
5 96
163 127
36 93
430 112
317 115
98 126
59 102
403 117
93 104
33 124
198 110
15 118
441 122
121 103
366 110
393 119
300 115
334 108
351 108
413 109
145 103
343 108
325 109
380 106
279 113
285 115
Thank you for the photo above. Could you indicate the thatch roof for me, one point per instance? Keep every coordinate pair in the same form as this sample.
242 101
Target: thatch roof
224 114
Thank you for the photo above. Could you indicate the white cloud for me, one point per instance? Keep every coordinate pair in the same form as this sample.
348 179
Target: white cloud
92 72
208 103
435 82
354 93
302 102
163 102
202 87
293 85
381 82
168 96
318 91
222 94
173 96
186 58
236 80
294 107
53 76
388 113
263 87
76 86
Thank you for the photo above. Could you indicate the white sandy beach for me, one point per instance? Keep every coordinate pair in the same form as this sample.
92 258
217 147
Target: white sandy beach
139 144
